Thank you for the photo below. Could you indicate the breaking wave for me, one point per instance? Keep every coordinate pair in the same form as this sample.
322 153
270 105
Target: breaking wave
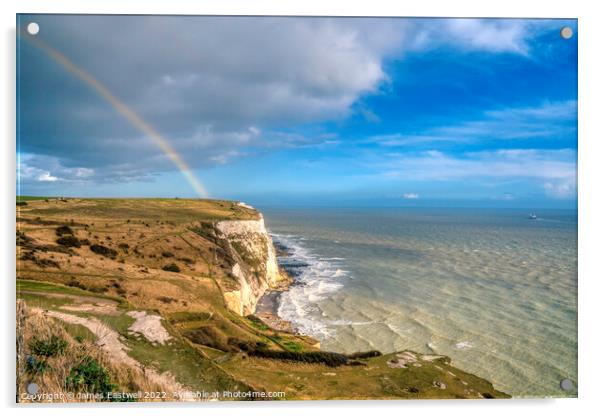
315 278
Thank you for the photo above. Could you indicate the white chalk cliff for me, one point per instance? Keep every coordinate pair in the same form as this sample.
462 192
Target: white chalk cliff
257 268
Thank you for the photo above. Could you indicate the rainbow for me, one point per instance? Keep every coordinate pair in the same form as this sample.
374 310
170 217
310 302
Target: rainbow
123 109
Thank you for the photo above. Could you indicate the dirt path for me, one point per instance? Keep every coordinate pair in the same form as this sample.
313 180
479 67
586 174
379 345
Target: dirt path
82 303
108 340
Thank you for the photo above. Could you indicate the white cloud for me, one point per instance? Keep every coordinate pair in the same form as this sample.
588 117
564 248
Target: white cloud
488 35
562 189
47 177
35 168
545 165
410 195
492 34
551 120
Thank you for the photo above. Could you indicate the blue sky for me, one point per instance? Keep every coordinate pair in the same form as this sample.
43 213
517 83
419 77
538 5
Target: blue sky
305 111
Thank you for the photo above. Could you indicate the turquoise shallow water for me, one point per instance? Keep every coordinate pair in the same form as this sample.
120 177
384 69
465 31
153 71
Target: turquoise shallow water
492 289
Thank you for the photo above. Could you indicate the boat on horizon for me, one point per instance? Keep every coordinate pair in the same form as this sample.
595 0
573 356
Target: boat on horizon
532 216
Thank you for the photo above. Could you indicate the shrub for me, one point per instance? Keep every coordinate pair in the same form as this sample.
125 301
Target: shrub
35 366
167 254
77 284
98 289
29 255
118 288
90 376
172 268
103 251
69 241
124 246
48 348
63 230
21 203
331 359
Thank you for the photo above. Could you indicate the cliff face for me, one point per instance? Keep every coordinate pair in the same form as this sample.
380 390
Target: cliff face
255 267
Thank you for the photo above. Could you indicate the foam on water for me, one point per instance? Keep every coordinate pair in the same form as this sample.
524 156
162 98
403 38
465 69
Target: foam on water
316 278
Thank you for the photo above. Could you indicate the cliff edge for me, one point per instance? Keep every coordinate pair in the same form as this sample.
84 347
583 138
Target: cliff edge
255 267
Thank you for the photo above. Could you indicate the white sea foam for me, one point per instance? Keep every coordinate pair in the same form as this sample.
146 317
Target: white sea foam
316 279
464 345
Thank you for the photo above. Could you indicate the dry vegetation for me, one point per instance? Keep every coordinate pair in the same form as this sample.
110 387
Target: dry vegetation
65 362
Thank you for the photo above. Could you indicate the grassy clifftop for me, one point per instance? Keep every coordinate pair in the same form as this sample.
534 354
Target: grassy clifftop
143 281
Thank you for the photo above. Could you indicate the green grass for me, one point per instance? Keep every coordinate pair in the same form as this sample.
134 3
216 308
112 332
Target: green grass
178 317
43 302
79 332
25 198
185 363
119 323
260 325
292 346
37 286
182 360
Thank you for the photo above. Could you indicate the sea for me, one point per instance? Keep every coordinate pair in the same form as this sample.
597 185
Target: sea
491 288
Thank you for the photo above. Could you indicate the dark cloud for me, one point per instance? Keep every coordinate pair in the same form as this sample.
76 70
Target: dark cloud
210 85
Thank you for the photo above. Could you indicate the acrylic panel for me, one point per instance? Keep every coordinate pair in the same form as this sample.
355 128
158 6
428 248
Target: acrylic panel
295 208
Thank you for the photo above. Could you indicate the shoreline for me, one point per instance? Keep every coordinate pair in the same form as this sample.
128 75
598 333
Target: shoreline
269 303
267 311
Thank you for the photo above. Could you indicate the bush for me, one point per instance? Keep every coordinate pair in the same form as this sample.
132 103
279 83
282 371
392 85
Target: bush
172 268
48 348
63 230
35 366
21 203
331 359
77 284
167 254
30 256
103 251
90 376
69 241
98 289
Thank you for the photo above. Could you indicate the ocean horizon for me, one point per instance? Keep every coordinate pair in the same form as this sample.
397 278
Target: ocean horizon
489 287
